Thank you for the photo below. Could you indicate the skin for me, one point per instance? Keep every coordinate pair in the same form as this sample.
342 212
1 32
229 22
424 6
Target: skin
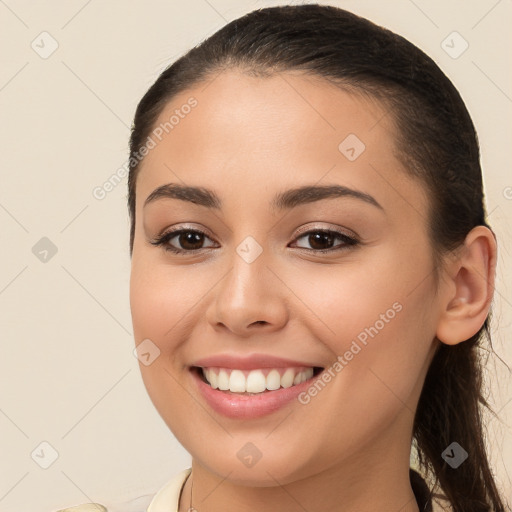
248 139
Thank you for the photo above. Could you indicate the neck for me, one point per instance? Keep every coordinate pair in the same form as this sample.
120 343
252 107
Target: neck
328 494
358 484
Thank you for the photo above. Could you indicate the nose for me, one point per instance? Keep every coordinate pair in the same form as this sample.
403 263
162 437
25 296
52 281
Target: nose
249 299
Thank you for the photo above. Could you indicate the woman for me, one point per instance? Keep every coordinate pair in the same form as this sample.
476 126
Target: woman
312 270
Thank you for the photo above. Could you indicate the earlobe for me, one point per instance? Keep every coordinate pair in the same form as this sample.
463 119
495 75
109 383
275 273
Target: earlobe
469 289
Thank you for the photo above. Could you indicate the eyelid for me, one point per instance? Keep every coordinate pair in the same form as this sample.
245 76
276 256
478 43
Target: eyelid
330 227
185 227
302 230
164 237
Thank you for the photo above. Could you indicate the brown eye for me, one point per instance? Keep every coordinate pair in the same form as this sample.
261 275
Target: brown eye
324 240
190 240
321 240
182 241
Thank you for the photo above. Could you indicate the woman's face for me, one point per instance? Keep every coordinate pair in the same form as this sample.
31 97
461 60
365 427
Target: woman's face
252 291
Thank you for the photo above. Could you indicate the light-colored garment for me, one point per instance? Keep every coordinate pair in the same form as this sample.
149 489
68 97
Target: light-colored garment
167 499
86 507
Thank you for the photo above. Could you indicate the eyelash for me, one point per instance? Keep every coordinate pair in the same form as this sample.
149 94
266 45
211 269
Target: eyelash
164 239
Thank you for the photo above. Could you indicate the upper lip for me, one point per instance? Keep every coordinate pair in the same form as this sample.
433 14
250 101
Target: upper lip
250 362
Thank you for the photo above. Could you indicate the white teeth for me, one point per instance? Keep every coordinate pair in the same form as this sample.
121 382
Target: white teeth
255 381
223 380
212 379
287 378
308 373
273 380
237 382
302 376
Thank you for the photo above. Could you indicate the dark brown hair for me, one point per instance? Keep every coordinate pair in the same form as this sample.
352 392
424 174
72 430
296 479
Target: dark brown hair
437 143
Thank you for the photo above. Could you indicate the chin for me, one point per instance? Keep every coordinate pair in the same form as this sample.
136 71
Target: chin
249 466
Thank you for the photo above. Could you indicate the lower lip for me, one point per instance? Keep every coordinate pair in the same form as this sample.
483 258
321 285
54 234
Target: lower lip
239 406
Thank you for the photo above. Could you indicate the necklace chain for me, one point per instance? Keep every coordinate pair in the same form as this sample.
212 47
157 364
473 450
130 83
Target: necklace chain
191 508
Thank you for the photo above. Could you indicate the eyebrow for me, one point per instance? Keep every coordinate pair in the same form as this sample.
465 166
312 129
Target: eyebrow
283 200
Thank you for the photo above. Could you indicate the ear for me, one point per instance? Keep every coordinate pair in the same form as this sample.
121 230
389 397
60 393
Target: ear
468 287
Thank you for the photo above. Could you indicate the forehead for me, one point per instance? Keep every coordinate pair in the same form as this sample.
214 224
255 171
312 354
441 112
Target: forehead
271 113
256 133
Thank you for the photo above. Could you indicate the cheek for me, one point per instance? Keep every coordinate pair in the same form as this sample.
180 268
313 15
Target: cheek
165 303
161 300
364 319
159 305
373 316
356 298
379 348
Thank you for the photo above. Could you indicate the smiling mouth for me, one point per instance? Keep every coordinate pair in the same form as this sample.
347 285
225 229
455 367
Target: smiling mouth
257 381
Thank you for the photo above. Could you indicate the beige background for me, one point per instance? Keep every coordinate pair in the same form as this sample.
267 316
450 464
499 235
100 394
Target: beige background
67 373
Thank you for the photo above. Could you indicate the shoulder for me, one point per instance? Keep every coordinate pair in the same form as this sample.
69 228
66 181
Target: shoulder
165 500
86 507
137 505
